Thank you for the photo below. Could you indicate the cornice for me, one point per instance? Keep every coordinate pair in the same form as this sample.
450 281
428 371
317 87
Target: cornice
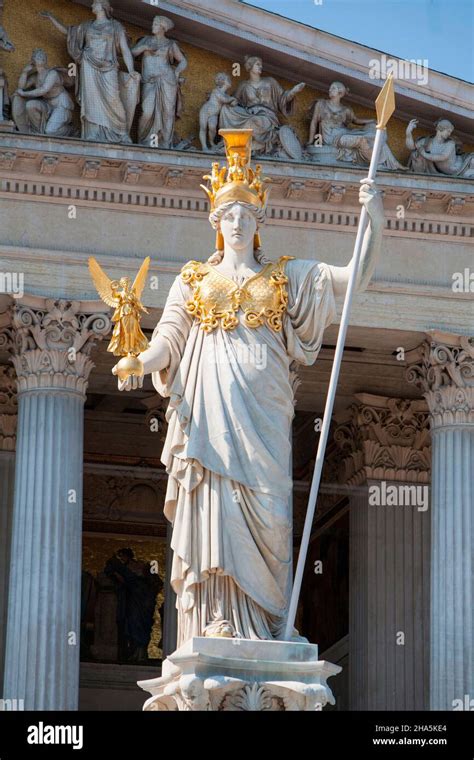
167 182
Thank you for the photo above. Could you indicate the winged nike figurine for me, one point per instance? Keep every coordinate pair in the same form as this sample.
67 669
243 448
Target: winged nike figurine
127 339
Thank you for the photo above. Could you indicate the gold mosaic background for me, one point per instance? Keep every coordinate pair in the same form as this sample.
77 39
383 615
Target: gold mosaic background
96 550
28 30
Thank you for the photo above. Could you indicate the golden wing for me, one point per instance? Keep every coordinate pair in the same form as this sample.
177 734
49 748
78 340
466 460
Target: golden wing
102 283
140 279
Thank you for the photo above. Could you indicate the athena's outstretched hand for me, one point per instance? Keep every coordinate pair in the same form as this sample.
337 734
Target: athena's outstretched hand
131 383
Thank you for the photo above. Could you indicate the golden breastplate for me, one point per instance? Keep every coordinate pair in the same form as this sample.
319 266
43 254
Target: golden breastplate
216 298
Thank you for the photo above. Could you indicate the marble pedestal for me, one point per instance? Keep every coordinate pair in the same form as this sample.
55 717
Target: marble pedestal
216 674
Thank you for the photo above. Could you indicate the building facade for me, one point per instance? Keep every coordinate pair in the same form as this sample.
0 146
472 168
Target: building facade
388 593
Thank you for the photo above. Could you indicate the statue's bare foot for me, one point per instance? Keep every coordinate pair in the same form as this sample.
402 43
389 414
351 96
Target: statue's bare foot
221 629
296 636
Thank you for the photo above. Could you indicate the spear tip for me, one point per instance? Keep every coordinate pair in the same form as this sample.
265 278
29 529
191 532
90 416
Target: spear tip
385 103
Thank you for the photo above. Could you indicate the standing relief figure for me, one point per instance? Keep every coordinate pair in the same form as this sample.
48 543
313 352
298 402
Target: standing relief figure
41 105
439 153
107 96
210 111
162 66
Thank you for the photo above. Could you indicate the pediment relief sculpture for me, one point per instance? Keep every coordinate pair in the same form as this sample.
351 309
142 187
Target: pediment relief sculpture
348 137
260 102
162 65
42 105
108 98
440 153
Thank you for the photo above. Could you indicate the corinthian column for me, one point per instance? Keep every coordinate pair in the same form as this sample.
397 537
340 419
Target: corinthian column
8 417
52 348
443 368
386 458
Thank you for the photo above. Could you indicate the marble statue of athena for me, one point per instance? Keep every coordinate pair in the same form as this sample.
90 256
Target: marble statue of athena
223 352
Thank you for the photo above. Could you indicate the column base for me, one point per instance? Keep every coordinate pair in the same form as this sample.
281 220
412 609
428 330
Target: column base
216 674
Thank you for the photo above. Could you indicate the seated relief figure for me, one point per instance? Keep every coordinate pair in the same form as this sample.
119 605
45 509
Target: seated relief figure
162 66
107 96
337 124
439 153
41 104
260 100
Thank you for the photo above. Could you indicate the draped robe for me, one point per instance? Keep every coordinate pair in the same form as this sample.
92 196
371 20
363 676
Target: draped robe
336 129
95 48
228 456
161 95
257 109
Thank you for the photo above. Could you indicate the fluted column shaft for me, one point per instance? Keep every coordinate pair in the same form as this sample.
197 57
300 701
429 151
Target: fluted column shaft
389 604
45 576
8 421
443 368
7 470
52 363
386 465
452 568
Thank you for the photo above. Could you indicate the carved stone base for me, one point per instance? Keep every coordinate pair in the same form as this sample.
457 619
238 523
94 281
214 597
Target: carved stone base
217 674
326 155
6 125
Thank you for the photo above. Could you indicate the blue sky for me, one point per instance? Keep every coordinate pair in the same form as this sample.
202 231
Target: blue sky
442 31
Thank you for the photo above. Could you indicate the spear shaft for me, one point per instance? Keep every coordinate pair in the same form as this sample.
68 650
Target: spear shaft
385 105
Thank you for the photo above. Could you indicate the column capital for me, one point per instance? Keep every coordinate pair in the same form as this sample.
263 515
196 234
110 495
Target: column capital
383 438
52 343
443 368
